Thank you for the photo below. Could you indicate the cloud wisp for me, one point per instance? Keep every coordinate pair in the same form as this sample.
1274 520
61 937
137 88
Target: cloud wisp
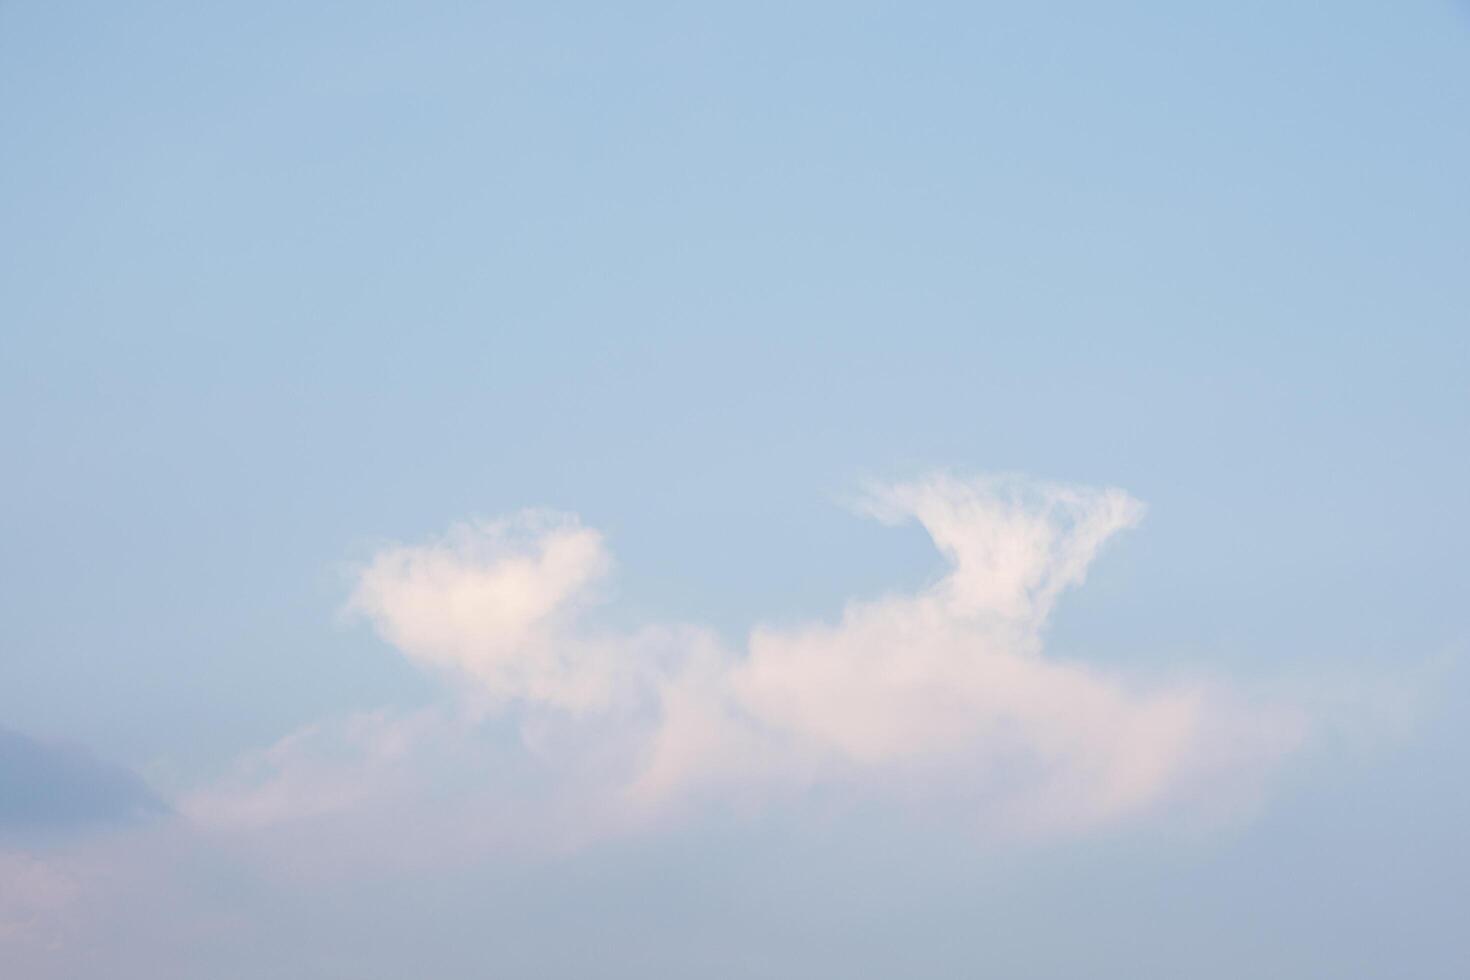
943 695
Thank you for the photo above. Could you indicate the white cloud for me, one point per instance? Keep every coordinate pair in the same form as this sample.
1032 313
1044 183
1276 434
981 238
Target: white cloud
491 601
942 694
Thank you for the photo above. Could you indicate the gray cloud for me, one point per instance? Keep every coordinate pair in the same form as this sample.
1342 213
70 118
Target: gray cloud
48 787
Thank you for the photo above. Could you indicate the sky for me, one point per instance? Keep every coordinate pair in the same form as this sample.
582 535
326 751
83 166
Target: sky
738 490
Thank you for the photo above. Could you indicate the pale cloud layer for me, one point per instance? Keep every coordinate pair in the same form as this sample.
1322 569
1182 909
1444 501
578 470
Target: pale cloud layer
561 731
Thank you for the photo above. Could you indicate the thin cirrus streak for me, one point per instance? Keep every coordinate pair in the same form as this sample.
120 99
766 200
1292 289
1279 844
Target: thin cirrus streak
944 694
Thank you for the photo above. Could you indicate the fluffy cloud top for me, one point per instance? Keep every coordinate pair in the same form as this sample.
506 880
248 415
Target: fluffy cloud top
944 693
491 602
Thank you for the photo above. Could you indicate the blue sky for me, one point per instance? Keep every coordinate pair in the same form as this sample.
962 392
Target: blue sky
286 287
